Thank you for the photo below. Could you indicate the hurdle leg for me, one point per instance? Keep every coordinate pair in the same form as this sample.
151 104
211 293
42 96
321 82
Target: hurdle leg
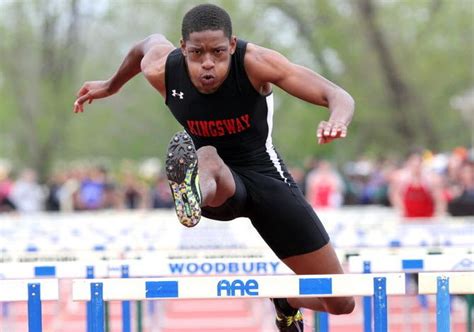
97 308
367 301
89 275
126 324
5 316
380 305
34 308
322 321
139 316
469 308
151 313
107 316
443 306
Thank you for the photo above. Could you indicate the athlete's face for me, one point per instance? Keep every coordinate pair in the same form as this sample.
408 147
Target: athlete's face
208 54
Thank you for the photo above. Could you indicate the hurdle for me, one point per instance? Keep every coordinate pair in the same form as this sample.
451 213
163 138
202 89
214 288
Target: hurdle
412 263
31 291
152 266
409 263
443 285
377 285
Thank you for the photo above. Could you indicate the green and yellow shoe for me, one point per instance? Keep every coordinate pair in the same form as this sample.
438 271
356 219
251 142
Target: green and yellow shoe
287 320
182 173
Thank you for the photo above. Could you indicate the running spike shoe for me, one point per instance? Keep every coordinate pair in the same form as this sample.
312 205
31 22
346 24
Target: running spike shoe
285 322
183 178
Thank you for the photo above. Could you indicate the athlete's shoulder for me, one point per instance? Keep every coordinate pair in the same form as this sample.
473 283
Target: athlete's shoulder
261 54
154 60
265 65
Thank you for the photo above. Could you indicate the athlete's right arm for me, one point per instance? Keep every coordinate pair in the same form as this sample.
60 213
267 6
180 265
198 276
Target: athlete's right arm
147 56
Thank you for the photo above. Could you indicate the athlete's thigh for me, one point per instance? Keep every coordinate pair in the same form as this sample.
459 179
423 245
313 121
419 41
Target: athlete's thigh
284 219
320 261
234 207
216 178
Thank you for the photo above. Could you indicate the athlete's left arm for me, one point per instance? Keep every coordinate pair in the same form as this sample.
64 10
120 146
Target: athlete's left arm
265 67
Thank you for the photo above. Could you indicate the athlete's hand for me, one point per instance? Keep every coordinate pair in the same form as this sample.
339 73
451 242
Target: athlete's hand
90 91
328 131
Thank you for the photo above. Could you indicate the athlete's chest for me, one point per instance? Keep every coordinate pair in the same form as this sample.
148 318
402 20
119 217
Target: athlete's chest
213 115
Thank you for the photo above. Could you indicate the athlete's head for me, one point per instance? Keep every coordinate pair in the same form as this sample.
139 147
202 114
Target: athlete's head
207 43
206 17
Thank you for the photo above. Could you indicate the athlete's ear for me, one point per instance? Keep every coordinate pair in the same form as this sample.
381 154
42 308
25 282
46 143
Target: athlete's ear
233 44
182 44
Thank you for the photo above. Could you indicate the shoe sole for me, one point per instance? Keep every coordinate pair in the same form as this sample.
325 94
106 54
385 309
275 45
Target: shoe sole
182 172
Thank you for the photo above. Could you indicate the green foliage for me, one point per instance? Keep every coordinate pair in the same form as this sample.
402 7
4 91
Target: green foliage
431 43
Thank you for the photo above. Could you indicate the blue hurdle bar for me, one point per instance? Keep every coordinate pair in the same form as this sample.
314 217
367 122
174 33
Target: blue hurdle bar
35 323
380 305
97 308
89 275
443 306
126 322
323 322
367 301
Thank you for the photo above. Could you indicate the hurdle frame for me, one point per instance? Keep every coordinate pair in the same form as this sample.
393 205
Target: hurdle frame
34 292
403 262
377 285
445 284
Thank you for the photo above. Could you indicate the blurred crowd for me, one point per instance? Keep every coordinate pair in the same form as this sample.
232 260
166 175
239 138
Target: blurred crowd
424 184
83 188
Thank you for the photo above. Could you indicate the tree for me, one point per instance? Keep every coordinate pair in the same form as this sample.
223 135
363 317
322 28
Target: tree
40 58
407 107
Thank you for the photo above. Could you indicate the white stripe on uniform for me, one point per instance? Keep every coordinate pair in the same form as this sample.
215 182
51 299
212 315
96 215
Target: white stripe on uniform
269 143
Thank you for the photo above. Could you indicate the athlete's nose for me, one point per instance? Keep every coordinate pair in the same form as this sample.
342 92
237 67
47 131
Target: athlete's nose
207 63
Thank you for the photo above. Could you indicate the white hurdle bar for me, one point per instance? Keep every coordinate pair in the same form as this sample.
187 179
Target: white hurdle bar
378 285
31 291
405 262
443 285
152 266
411 263
149 267
239 286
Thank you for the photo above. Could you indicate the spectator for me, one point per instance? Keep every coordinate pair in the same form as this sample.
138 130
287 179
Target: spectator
53 198
462 203
68 194
376 188
324 186
92 190
134 192
27 195
416 192
6 186
160 195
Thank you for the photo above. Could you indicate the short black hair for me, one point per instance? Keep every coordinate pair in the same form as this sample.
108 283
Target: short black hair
206 17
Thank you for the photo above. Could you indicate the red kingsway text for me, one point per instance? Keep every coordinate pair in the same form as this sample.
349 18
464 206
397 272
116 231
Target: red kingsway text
214 128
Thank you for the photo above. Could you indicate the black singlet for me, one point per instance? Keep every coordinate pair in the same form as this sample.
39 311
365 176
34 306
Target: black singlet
235 119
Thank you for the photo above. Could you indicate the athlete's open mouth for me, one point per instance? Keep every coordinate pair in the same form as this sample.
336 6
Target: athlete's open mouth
208 79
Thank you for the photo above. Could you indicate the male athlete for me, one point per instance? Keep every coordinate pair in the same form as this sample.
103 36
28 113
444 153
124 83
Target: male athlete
220 89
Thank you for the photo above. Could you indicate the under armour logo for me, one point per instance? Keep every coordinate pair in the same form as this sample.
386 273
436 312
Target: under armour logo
179 94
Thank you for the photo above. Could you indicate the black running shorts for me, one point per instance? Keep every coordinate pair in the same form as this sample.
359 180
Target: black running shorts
278 211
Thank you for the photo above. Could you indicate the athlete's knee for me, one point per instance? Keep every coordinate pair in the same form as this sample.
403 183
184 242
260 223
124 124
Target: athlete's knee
340 305
209 160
